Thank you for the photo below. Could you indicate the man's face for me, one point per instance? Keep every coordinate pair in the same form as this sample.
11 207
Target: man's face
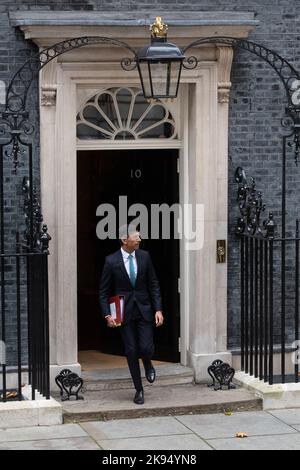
133 241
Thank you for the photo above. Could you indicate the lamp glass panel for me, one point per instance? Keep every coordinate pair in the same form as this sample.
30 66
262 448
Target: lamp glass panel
174 75
145 79
159 75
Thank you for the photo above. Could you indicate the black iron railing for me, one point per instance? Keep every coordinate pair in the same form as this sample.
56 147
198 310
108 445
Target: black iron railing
269 276
266 305
26 341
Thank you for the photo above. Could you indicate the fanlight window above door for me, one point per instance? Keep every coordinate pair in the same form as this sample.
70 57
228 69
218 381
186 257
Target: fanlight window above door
124 114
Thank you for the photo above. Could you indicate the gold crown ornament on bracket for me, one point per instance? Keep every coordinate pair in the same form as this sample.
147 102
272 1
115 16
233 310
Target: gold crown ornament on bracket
159 28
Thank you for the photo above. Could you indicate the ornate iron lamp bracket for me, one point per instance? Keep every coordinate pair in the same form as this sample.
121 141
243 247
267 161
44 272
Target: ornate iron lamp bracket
286 72
16 96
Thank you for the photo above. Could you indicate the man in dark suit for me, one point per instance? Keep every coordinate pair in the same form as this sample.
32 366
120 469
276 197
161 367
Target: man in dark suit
129 272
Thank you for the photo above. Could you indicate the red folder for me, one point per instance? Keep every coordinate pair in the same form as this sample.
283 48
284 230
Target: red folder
117 308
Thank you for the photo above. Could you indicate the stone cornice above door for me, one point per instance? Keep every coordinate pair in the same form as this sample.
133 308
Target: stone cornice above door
49 27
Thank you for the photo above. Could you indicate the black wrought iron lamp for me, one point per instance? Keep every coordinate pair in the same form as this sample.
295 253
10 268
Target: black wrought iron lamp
159 64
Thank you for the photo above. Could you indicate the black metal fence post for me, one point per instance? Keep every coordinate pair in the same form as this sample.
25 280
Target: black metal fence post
261 309
271 312
266 310
242 262
46 366
246 305
29 322
19 325
256 307
251 329
297 301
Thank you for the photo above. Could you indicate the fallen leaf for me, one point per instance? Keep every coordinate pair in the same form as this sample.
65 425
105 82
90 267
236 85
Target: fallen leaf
241 435
9 395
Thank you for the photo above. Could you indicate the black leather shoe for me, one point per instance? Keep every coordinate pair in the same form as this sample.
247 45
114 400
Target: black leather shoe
150 374
139 397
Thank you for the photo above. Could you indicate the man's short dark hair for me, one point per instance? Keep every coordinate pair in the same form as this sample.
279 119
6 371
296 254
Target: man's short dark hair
125 231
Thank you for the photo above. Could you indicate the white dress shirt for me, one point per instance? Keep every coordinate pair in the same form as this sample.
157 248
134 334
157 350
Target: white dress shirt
126 261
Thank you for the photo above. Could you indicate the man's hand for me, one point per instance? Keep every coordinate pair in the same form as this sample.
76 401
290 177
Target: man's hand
159 319
110 321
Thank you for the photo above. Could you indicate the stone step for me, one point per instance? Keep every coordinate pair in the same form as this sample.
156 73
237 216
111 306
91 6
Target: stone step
116 379
159 401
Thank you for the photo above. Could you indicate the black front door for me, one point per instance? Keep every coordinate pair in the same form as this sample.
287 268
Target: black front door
146 177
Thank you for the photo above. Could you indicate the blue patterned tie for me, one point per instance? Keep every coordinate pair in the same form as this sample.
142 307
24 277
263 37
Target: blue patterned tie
131 270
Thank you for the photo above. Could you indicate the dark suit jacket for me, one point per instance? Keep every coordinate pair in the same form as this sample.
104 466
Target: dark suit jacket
115 281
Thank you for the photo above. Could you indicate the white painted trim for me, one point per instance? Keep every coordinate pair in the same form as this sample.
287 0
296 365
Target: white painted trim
128 145
184 255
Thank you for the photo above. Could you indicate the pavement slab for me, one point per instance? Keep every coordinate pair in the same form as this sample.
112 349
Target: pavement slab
276 442
184 432
127 428
182 442
37 433
221 426
74 443
289 416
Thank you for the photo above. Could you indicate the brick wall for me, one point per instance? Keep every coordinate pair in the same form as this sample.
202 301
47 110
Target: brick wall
257 104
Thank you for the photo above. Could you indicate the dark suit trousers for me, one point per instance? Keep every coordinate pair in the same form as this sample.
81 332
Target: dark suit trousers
137 335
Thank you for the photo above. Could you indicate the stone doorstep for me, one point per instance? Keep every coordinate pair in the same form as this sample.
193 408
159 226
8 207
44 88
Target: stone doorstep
159 401
97 386
26 413
274 397
116 379
117 384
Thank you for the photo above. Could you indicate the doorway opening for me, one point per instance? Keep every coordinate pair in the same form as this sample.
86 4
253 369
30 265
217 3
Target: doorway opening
146 177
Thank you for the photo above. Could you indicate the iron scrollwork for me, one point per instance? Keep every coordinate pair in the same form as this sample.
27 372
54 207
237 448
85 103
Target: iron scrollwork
15 153
36 235
69 384
190 63
15 126
286 72
222 373
128 64
12 126
288 75
291 122
251 207
17 95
